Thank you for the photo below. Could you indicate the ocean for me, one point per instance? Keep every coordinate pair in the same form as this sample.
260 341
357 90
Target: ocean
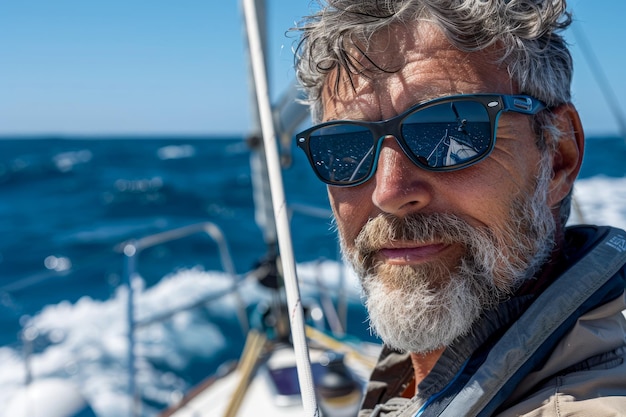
66 206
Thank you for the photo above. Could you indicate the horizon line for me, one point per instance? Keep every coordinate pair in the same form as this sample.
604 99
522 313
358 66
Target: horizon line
181 135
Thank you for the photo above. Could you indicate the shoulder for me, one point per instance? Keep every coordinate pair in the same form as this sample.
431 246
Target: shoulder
584 375
564 405
594 392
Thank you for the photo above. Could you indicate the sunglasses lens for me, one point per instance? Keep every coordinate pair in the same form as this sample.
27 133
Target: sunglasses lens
448 135
343 153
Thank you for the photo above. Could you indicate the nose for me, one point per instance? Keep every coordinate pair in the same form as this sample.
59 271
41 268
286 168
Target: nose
400 186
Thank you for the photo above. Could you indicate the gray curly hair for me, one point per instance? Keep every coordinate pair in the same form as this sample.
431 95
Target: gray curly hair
524 31
525 34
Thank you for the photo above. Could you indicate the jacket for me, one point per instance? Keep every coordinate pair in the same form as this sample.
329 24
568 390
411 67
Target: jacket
558 352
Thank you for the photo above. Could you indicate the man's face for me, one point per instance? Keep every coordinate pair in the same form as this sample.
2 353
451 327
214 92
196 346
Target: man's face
433 250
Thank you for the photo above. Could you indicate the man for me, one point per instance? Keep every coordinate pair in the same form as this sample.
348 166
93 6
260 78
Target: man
450 149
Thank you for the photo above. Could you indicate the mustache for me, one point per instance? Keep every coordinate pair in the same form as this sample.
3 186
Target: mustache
379 231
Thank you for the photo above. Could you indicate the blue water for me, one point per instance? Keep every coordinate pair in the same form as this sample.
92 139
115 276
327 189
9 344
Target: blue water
79 198
74 200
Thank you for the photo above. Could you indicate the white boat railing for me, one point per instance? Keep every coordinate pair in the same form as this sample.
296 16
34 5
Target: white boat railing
131 250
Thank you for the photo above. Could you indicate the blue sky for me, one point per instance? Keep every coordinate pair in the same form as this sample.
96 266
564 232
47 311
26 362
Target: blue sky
77 67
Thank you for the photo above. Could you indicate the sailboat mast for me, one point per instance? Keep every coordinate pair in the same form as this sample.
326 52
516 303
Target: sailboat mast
279 203
261 192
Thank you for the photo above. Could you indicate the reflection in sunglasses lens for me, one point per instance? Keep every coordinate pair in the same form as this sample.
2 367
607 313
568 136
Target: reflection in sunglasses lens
342 153
448 134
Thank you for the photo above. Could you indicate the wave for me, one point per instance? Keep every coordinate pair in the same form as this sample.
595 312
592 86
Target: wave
600 200
87 343
176 152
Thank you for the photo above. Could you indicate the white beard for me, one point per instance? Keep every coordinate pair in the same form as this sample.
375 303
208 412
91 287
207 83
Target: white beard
424 307
418 318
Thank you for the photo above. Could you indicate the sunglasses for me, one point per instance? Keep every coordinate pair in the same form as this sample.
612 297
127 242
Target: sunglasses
445 134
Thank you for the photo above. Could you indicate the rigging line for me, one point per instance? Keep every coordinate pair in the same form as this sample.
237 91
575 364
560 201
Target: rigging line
296 313
600 78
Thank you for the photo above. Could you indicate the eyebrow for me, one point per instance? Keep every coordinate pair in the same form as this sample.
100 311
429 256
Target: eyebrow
359 118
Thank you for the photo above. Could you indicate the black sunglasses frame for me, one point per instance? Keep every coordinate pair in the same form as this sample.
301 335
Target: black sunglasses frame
494 104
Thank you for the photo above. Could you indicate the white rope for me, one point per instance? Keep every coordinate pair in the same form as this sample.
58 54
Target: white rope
296 314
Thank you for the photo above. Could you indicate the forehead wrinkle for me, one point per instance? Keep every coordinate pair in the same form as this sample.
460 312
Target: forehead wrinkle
436 74
397 49
380 59
356 100
429 67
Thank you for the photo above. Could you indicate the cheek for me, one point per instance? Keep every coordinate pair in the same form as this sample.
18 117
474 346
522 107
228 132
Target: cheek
506 176
352 209
483 195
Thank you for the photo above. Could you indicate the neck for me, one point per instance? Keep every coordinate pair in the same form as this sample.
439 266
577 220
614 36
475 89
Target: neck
550 269
423 363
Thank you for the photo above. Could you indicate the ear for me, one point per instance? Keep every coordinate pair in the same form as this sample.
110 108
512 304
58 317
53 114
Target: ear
568 152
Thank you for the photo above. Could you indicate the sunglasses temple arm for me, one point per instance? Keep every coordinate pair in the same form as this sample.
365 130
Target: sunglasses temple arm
522 104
